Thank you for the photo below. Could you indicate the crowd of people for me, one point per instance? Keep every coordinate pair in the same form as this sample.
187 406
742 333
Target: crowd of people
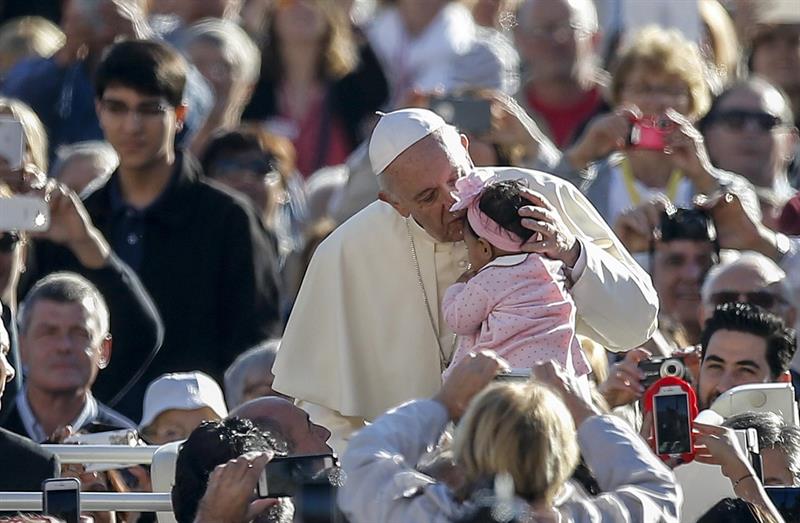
439 239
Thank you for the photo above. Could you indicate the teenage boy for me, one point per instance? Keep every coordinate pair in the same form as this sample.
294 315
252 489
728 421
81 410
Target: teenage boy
198 250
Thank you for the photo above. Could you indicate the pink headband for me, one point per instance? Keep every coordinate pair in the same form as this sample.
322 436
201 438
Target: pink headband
468 196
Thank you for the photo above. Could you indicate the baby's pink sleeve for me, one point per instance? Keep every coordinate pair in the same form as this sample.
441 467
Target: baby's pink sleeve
465 308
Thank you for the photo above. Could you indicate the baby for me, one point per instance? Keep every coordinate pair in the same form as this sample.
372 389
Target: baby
511 302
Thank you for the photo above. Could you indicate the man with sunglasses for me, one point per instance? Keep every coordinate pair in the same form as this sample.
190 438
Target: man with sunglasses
749 131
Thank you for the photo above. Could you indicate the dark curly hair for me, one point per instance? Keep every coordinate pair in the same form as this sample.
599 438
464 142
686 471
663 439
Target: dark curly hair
210 444
501 202
744 317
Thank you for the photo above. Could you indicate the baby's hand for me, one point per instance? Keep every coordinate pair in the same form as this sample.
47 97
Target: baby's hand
465 277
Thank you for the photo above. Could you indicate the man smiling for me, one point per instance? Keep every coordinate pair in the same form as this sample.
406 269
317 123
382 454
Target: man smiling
742 344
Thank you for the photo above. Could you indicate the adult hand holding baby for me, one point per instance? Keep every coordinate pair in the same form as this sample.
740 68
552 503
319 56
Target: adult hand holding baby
554 239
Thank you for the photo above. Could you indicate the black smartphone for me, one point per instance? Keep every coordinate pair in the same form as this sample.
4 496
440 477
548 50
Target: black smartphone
787 501
673 428
61 498
284 476
469 114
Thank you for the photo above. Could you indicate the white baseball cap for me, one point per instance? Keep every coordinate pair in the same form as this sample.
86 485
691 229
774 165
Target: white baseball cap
182 391
397 131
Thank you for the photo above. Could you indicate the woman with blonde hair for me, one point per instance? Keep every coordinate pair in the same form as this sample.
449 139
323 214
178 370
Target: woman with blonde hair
34 159
523 438
310 89
648 145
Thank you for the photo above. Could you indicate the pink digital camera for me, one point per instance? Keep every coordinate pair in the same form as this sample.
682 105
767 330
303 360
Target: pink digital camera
649 132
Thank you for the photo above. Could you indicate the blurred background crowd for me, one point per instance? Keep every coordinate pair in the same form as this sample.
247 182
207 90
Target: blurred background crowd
156 303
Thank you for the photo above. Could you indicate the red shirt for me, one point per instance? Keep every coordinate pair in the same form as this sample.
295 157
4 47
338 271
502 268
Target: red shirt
564 120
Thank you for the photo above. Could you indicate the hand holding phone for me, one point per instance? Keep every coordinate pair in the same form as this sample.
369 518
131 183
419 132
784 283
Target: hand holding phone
61 499
284 476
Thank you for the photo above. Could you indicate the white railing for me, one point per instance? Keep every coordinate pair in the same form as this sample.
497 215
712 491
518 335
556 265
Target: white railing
91 502
103 454
162 474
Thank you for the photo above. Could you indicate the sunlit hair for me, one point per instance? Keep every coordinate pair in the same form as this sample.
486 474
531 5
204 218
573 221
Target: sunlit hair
524 430
232 41
27 36
35 134
662 51
337 55
724 45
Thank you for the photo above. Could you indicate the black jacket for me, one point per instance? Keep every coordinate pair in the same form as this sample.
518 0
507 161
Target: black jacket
24 464
136 329
208 269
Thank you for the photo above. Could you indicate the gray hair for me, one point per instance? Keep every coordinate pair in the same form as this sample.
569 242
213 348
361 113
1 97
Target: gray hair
756 261
584 13
102 152
236 45
257 359
773 433
66 287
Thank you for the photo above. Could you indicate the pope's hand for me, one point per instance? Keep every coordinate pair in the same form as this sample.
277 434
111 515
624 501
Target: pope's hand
554 239
468 378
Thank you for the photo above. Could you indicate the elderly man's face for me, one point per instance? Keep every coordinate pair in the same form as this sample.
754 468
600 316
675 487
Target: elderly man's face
745 135
679 267
746 284
777 56
422 181
550 40
62 347
732 358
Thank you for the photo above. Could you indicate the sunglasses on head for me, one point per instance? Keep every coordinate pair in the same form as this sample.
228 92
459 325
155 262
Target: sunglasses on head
763 299
737 119
8 240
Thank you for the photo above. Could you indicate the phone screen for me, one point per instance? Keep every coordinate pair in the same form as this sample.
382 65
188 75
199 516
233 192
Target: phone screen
672 429
786 500
63 505
284 476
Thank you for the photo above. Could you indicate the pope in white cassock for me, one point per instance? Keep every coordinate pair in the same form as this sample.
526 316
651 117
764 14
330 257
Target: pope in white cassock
366 332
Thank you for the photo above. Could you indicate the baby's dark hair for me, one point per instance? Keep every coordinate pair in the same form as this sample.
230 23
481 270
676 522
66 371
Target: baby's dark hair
501 202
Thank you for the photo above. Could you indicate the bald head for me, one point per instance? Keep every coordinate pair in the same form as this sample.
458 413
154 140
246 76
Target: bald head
753 278
283 418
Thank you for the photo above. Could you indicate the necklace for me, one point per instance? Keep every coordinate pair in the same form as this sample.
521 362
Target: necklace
444 361
672 187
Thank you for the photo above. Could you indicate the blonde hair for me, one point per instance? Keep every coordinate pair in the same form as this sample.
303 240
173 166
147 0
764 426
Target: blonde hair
524 430
35 134
28 36
664 51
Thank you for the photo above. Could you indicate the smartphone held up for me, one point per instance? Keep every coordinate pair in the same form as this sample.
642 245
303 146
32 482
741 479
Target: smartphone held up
24 214
61 498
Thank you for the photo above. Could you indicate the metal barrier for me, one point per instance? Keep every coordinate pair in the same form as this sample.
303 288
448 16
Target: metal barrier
103 454
91 501
162 474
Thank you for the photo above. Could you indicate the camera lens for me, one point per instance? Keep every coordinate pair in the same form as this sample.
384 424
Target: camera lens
672 368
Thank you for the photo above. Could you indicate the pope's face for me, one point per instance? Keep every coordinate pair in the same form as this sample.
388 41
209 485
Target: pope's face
422 182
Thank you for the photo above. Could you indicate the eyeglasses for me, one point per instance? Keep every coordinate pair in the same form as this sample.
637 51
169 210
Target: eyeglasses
737 119
8 240
763 299
559 33
145 111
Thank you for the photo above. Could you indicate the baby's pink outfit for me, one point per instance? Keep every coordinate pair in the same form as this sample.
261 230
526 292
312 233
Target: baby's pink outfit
517 306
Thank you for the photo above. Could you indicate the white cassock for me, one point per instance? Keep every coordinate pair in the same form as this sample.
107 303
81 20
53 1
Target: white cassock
360 340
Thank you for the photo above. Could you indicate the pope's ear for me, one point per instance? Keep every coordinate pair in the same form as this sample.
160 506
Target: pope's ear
391 200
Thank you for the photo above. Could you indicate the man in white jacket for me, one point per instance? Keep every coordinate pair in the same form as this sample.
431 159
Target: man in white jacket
366 331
